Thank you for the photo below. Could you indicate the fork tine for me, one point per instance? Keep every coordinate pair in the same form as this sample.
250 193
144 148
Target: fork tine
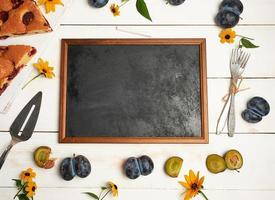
232 56
242 54
242 61
235 56
245 60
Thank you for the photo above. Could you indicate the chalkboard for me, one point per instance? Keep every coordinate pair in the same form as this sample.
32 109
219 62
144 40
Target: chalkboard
133 91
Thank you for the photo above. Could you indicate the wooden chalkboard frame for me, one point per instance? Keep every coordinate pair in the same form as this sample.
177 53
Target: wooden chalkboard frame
203 139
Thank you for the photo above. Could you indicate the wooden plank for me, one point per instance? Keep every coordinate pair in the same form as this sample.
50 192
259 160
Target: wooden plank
137 194
217 89
261 63
189 13
107 161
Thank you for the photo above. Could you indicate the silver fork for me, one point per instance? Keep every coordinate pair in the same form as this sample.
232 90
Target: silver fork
238 63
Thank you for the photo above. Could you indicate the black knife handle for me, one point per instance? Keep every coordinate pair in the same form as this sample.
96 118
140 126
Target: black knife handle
4 155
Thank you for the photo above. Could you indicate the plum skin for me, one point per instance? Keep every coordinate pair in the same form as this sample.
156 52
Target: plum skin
229 13
70 167
131 168
175 2
260 105
134 167
67 169
82 166
236 5
257 107
98 3
251 117
146 165
227 19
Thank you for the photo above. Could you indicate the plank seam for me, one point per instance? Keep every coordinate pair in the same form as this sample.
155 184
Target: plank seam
133 189
169 25
212 133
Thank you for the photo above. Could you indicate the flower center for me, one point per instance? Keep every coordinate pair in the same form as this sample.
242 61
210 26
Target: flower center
33 189
115 187
44 71
27 174
194 186
227 37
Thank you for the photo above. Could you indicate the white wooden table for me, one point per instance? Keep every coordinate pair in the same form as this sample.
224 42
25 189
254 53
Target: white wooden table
191 20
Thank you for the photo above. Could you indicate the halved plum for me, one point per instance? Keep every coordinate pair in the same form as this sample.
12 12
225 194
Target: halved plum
215 163
42 157
173 166
233 159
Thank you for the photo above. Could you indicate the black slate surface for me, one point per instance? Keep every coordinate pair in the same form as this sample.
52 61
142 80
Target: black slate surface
133 91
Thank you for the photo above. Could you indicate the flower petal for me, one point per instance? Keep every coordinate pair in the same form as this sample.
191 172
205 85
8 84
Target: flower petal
187 178
41 2
198 177
193 193
188 195
192 176
185 185
201 181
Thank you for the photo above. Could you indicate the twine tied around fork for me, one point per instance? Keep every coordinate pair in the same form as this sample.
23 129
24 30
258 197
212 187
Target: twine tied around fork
234 88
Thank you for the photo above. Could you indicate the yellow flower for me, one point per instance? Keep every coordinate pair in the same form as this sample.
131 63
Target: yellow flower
113 188
30 189
50 4
227 35
193 185
115 9
44 68
27 175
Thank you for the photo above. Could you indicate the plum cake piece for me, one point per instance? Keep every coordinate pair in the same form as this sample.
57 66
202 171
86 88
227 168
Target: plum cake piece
19 17
12 59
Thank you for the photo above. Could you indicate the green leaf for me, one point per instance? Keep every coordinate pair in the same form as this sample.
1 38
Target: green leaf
142 9
247 43
18 183
92 195
103 188
23 197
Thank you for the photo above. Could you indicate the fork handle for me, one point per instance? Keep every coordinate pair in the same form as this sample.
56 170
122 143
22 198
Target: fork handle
231 117
5 154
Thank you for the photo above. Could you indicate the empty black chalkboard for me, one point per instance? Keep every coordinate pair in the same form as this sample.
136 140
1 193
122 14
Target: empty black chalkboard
133 91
